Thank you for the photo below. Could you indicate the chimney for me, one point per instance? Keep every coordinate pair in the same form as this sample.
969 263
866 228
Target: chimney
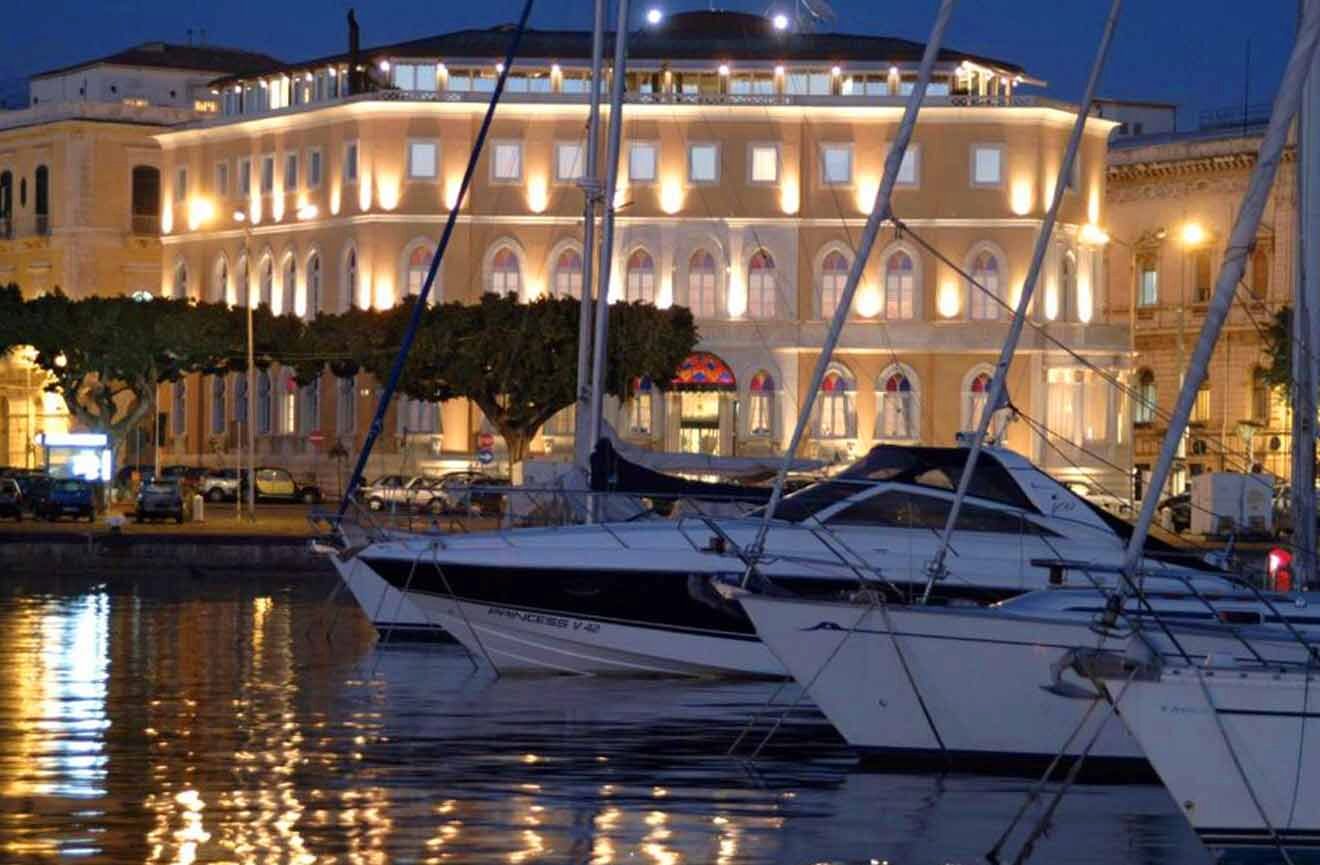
356 76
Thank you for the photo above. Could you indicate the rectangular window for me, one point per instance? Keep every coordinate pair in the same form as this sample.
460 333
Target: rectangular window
641 162
345 406
570 161
987 164
1201 408
764 163
290 172
181 184
422 160
313 168
222 179
1202 276
1148 282
836 164
267 175
245 177
506 163
909 170
180 408
351 162
703 163
405 76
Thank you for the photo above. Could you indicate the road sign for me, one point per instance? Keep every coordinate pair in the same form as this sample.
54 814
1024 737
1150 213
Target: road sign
485 456
316 438
485 441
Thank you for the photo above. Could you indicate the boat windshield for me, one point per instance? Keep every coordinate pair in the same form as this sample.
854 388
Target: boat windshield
933 468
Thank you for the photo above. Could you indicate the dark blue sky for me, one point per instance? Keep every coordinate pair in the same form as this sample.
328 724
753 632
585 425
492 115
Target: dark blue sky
1190 52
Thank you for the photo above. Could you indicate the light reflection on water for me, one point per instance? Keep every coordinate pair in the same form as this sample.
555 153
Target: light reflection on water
249 722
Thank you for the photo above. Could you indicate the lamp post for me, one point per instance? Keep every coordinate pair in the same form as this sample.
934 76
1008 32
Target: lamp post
242 219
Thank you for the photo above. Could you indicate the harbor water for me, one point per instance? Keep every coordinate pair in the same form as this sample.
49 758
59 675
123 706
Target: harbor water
256 719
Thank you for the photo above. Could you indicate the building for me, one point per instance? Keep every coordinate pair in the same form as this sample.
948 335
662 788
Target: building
1138 117
1171 203
751 158
80 192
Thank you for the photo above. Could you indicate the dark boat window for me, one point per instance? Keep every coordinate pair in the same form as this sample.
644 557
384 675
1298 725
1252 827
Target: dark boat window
912 510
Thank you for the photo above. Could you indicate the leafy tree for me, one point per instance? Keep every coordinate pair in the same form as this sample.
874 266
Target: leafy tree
106 355
516 361
1278 349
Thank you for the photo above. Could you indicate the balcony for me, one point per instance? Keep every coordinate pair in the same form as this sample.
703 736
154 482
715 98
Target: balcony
146 224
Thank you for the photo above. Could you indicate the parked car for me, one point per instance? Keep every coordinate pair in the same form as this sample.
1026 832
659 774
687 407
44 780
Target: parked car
1175 512
414 493
35 487
159 500
11 499
69 497
222 485
278 485
470 493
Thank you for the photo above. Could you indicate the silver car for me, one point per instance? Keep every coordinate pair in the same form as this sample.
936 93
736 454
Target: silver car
399 492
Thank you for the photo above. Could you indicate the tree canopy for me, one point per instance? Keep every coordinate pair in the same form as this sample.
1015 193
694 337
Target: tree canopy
516 361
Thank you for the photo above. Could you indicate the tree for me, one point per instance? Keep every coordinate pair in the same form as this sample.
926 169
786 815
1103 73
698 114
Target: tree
516 361
1278 348
106 355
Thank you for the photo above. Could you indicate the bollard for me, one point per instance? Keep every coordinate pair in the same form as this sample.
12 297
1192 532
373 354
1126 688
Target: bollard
198 508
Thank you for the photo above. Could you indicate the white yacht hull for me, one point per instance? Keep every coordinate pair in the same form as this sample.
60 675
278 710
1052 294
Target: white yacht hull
959 685
389 611
1272 722
518 640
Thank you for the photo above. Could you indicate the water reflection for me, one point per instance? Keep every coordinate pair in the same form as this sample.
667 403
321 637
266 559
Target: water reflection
227 721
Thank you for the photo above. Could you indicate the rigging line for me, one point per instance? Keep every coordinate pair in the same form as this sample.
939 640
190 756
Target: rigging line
419 305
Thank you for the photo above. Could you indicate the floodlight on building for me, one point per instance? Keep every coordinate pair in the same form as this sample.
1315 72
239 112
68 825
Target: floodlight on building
779 71
780 21
654 16
724 69
1193 234
836 71
384 66
240 216
1093 235
307 211
499 68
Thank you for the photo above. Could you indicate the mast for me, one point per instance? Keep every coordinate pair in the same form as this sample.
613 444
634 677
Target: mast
1257 195
600 347
880 213
1306 324
936 570
583 443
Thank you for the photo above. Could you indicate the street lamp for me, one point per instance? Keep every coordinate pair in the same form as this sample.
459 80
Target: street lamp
241 218
654 16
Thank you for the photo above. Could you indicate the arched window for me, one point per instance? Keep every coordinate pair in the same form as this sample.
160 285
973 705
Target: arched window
309 408
900 287
761 404
350 280
180 279
975 395
639 281
419 264
1260 274
761 285
836 414
1146 398
242 291
241 399
567 280
180 407
145 211
833 278
313 301
288 286
220 281
265 402
640 407
505 273
985 273
266 295
702 298
7 204
217 404
41 204
897 413
1261 402
286 398
345 406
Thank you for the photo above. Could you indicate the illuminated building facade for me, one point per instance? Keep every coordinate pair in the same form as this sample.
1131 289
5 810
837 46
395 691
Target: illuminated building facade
750 159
